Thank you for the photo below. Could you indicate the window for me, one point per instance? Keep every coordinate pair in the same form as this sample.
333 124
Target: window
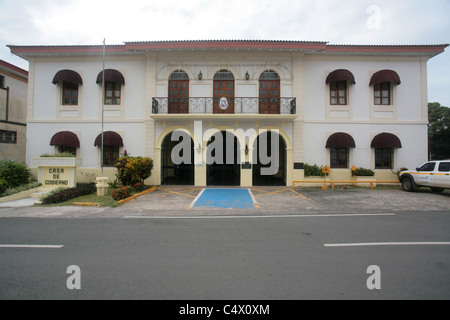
444 167
9 137
112 93
70 94
428 166
339 157
66 149
338 93
110 155
382 93
384 158
2 81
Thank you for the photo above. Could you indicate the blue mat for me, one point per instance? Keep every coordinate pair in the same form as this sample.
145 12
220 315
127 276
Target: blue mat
225 198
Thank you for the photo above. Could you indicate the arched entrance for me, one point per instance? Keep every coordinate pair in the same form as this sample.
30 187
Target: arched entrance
265 171
173 172
223 159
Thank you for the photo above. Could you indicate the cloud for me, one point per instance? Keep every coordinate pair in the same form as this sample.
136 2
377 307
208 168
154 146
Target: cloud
35 22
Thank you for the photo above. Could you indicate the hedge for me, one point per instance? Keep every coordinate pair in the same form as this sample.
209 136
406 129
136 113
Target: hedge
71 193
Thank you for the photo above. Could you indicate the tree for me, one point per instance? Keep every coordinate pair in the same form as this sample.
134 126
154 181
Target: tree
439 131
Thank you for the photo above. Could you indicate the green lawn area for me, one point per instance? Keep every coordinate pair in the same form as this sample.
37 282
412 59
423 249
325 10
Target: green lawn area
106 201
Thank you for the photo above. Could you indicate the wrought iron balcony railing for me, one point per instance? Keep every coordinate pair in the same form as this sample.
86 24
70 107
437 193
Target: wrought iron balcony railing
285 106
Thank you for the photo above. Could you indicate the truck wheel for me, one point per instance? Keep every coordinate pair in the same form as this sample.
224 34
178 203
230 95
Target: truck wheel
408 185
437 190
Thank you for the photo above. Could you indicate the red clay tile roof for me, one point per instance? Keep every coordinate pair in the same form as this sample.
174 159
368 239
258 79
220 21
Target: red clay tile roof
320 47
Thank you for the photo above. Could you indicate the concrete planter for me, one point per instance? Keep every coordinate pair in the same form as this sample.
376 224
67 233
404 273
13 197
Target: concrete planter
312 183
366 178
56 162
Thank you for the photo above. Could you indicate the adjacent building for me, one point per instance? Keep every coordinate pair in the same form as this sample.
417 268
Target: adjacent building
318 103
13 112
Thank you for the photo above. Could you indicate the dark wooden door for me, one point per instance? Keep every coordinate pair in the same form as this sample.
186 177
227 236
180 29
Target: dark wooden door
179 96
269 97
224 92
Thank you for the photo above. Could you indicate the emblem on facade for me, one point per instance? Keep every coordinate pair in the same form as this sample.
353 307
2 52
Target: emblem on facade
223 103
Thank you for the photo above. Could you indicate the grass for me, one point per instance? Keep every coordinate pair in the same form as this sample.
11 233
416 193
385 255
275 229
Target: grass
106 201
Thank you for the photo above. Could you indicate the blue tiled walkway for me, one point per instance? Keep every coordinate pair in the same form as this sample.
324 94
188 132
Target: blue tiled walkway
225 198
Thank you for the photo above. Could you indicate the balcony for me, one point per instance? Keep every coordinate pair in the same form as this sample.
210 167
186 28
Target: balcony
224 107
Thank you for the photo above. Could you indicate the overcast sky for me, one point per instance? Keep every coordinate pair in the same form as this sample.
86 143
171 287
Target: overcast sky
79 22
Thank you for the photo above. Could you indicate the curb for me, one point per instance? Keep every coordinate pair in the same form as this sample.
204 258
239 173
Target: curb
83 204
136 196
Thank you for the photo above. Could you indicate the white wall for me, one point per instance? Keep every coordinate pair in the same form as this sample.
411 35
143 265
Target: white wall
38 142
407 124
407 94
413 139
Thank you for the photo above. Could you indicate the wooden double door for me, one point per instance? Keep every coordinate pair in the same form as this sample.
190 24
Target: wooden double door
224 90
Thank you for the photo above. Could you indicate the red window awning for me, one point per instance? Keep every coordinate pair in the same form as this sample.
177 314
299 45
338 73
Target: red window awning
341 75
385 76
110 139
111 75
67 76
65 139
386 140
341 140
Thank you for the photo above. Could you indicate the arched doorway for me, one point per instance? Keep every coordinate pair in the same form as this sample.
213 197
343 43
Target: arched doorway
269 173
172 171
223 160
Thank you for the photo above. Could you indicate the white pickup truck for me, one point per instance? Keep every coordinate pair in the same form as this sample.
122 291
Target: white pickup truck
433 174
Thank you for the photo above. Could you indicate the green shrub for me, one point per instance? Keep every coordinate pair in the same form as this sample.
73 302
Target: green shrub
15 174
361 172
313 170
3 185
58 155
132 170
81 189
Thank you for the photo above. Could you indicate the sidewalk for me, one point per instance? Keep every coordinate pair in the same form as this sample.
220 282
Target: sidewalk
27 202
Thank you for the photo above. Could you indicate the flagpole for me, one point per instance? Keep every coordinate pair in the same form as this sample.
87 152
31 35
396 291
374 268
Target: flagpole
103 103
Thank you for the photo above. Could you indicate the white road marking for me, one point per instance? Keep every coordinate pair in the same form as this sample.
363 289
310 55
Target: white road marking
30 246
374 244
195 200
259 217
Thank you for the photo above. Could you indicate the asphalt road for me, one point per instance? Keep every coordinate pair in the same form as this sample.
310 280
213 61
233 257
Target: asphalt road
243 258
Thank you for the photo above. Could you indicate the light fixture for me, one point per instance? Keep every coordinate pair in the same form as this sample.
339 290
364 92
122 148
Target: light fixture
246 149
200 76
247 76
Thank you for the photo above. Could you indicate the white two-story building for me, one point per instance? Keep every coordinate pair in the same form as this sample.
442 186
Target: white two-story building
334 105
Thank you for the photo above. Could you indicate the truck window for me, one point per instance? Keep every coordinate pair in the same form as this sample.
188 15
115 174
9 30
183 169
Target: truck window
428 166
444 167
